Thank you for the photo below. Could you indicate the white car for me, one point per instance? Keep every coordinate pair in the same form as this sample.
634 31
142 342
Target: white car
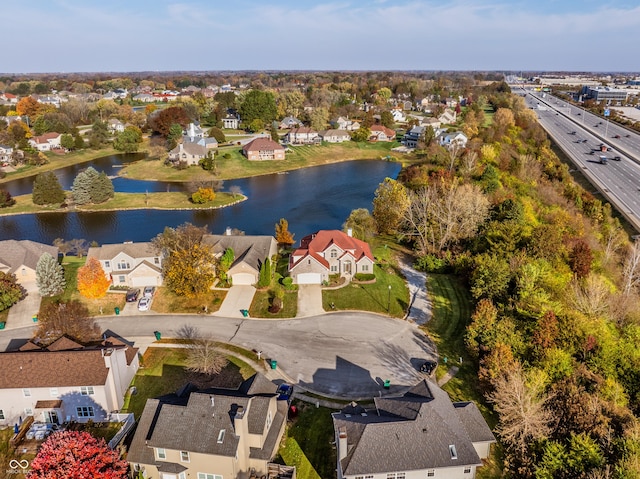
149 291
144 304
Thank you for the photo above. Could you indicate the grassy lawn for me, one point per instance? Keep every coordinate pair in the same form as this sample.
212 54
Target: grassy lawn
8 453
260 306
375 297
167 302
237 166
128 201
308 443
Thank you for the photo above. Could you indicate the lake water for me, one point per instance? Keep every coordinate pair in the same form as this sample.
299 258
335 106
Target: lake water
310 199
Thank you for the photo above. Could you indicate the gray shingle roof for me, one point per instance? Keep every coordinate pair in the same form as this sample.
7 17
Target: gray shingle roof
14 253
474 423
412 432
252 250
133 250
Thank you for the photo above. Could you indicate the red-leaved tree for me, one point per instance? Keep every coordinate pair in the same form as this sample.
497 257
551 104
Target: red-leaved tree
76 455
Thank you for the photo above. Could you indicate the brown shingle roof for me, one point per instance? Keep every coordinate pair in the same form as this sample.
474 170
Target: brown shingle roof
262 144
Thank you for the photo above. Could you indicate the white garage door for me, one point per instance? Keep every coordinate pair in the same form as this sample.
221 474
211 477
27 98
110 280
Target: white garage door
243 279
141 281
309 278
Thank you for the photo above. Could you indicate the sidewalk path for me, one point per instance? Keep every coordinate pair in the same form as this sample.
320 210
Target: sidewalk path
447 377
419 303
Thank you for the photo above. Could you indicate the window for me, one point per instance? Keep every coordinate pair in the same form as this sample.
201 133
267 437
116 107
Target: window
1 415
334 253
400 475
156 260
182 475
204 475
26 392
161 453
121 279
85 411
467 470
86 390
453 452
107 264
269 419
184 456
221 436
53 392
334 268
365 267
123 265
431 473
28 411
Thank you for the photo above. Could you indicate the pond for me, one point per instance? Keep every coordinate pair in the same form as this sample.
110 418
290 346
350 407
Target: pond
310 199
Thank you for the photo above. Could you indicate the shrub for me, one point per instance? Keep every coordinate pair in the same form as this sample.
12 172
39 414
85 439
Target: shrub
431 264
364 276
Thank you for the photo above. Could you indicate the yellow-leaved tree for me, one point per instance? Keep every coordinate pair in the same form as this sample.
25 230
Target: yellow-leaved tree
92 282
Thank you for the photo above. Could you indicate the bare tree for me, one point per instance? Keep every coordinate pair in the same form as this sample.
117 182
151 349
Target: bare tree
631 269
72 319
468 164
79 247
453 150
590 296
235 190
204 357
63 246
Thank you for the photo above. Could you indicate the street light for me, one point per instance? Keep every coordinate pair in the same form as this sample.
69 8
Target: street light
389 300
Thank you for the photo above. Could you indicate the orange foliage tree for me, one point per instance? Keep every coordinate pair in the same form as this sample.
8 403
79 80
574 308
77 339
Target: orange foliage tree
28 106
92 283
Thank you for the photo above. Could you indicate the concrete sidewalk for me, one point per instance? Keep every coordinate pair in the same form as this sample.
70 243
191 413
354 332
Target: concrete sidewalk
419 303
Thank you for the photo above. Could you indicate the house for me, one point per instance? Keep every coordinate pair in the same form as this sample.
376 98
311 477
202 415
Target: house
260 149
345 124
8 98
398 116
195 134
448 117
115 126
250 252
381 133
450 139
302 136
432 122
129 264
194 131
65 381
6 153
335 136
144 98
210 434
421 434
46 142
20 257
231 120
413 136
289 122
329 252
188 151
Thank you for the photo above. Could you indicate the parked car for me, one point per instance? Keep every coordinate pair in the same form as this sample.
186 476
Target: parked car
285 392
132 295
149 291
144 304
428 367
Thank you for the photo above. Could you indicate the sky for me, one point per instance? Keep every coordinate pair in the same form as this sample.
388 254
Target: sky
214 35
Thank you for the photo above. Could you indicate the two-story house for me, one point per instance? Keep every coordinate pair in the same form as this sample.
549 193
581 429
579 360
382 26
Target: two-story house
342 123
191 152
302 136
46 142
381 133
413 136
210 434
129 264
335 136
115 126
260 149
329 252
65 380
451 139
421 434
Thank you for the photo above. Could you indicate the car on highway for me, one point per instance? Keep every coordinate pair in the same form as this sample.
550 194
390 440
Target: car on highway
627 135
584 141
616 136
617 158
132 295
144 304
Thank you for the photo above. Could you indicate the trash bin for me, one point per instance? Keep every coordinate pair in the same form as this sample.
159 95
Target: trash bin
35 318
274 364
158 335
2 324
387 383
245 312
117 310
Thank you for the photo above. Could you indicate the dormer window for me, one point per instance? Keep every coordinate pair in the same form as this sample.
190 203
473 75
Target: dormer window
221 436
453 452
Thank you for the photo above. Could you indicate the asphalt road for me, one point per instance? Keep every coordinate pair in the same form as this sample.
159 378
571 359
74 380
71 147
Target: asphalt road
337 354
619 181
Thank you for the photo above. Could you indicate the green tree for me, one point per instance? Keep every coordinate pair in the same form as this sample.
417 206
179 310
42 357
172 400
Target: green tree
283 235
389 205
67 141
361 134
89 186
256 125
258 104
386 119
208 163
78 141
490 276
10 291
49 275
47 189
264 279
319 118
218 134
6 199
361 223
128 140
174 135
274 134
99 135
225 262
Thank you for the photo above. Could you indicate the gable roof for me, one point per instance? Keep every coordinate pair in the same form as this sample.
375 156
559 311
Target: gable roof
252 250
107 252
316 243
262 144
411 432
17 253
382 129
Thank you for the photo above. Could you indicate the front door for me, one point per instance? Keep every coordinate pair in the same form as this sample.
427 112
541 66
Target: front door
347 267
51 417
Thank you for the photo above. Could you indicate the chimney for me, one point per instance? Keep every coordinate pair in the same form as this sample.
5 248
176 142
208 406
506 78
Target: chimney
342 443
349 232
213 401
227 232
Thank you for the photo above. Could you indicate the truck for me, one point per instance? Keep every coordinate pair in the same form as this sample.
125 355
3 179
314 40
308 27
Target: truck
603 159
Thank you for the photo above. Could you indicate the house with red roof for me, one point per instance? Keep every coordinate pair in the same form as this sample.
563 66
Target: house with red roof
46 142
329 252
263 149
381 133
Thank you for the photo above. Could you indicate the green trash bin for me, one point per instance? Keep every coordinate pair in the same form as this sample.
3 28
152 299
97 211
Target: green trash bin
117 310
2 324
158 335
34 318
245 313
274 364
387 383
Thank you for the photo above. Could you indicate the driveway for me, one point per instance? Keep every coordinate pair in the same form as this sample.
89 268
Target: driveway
309 300
419 303
238 298
21 313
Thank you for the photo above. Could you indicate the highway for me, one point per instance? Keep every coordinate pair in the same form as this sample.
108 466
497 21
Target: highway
580 139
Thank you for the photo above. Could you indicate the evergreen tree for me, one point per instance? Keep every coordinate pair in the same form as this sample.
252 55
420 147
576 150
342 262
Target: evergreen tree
47 189
92 187
49 276
81 188
67 141
6 199
102 188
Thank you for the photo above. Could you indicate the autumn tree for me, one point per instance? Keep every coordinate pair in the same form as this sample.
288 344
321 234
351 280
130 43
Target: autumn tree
10 290
361 134
203 195
361 224
184 236
77 455
190 272
28 106
389 205
164 119
283 235
47 189
49 275
56 319
92 282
